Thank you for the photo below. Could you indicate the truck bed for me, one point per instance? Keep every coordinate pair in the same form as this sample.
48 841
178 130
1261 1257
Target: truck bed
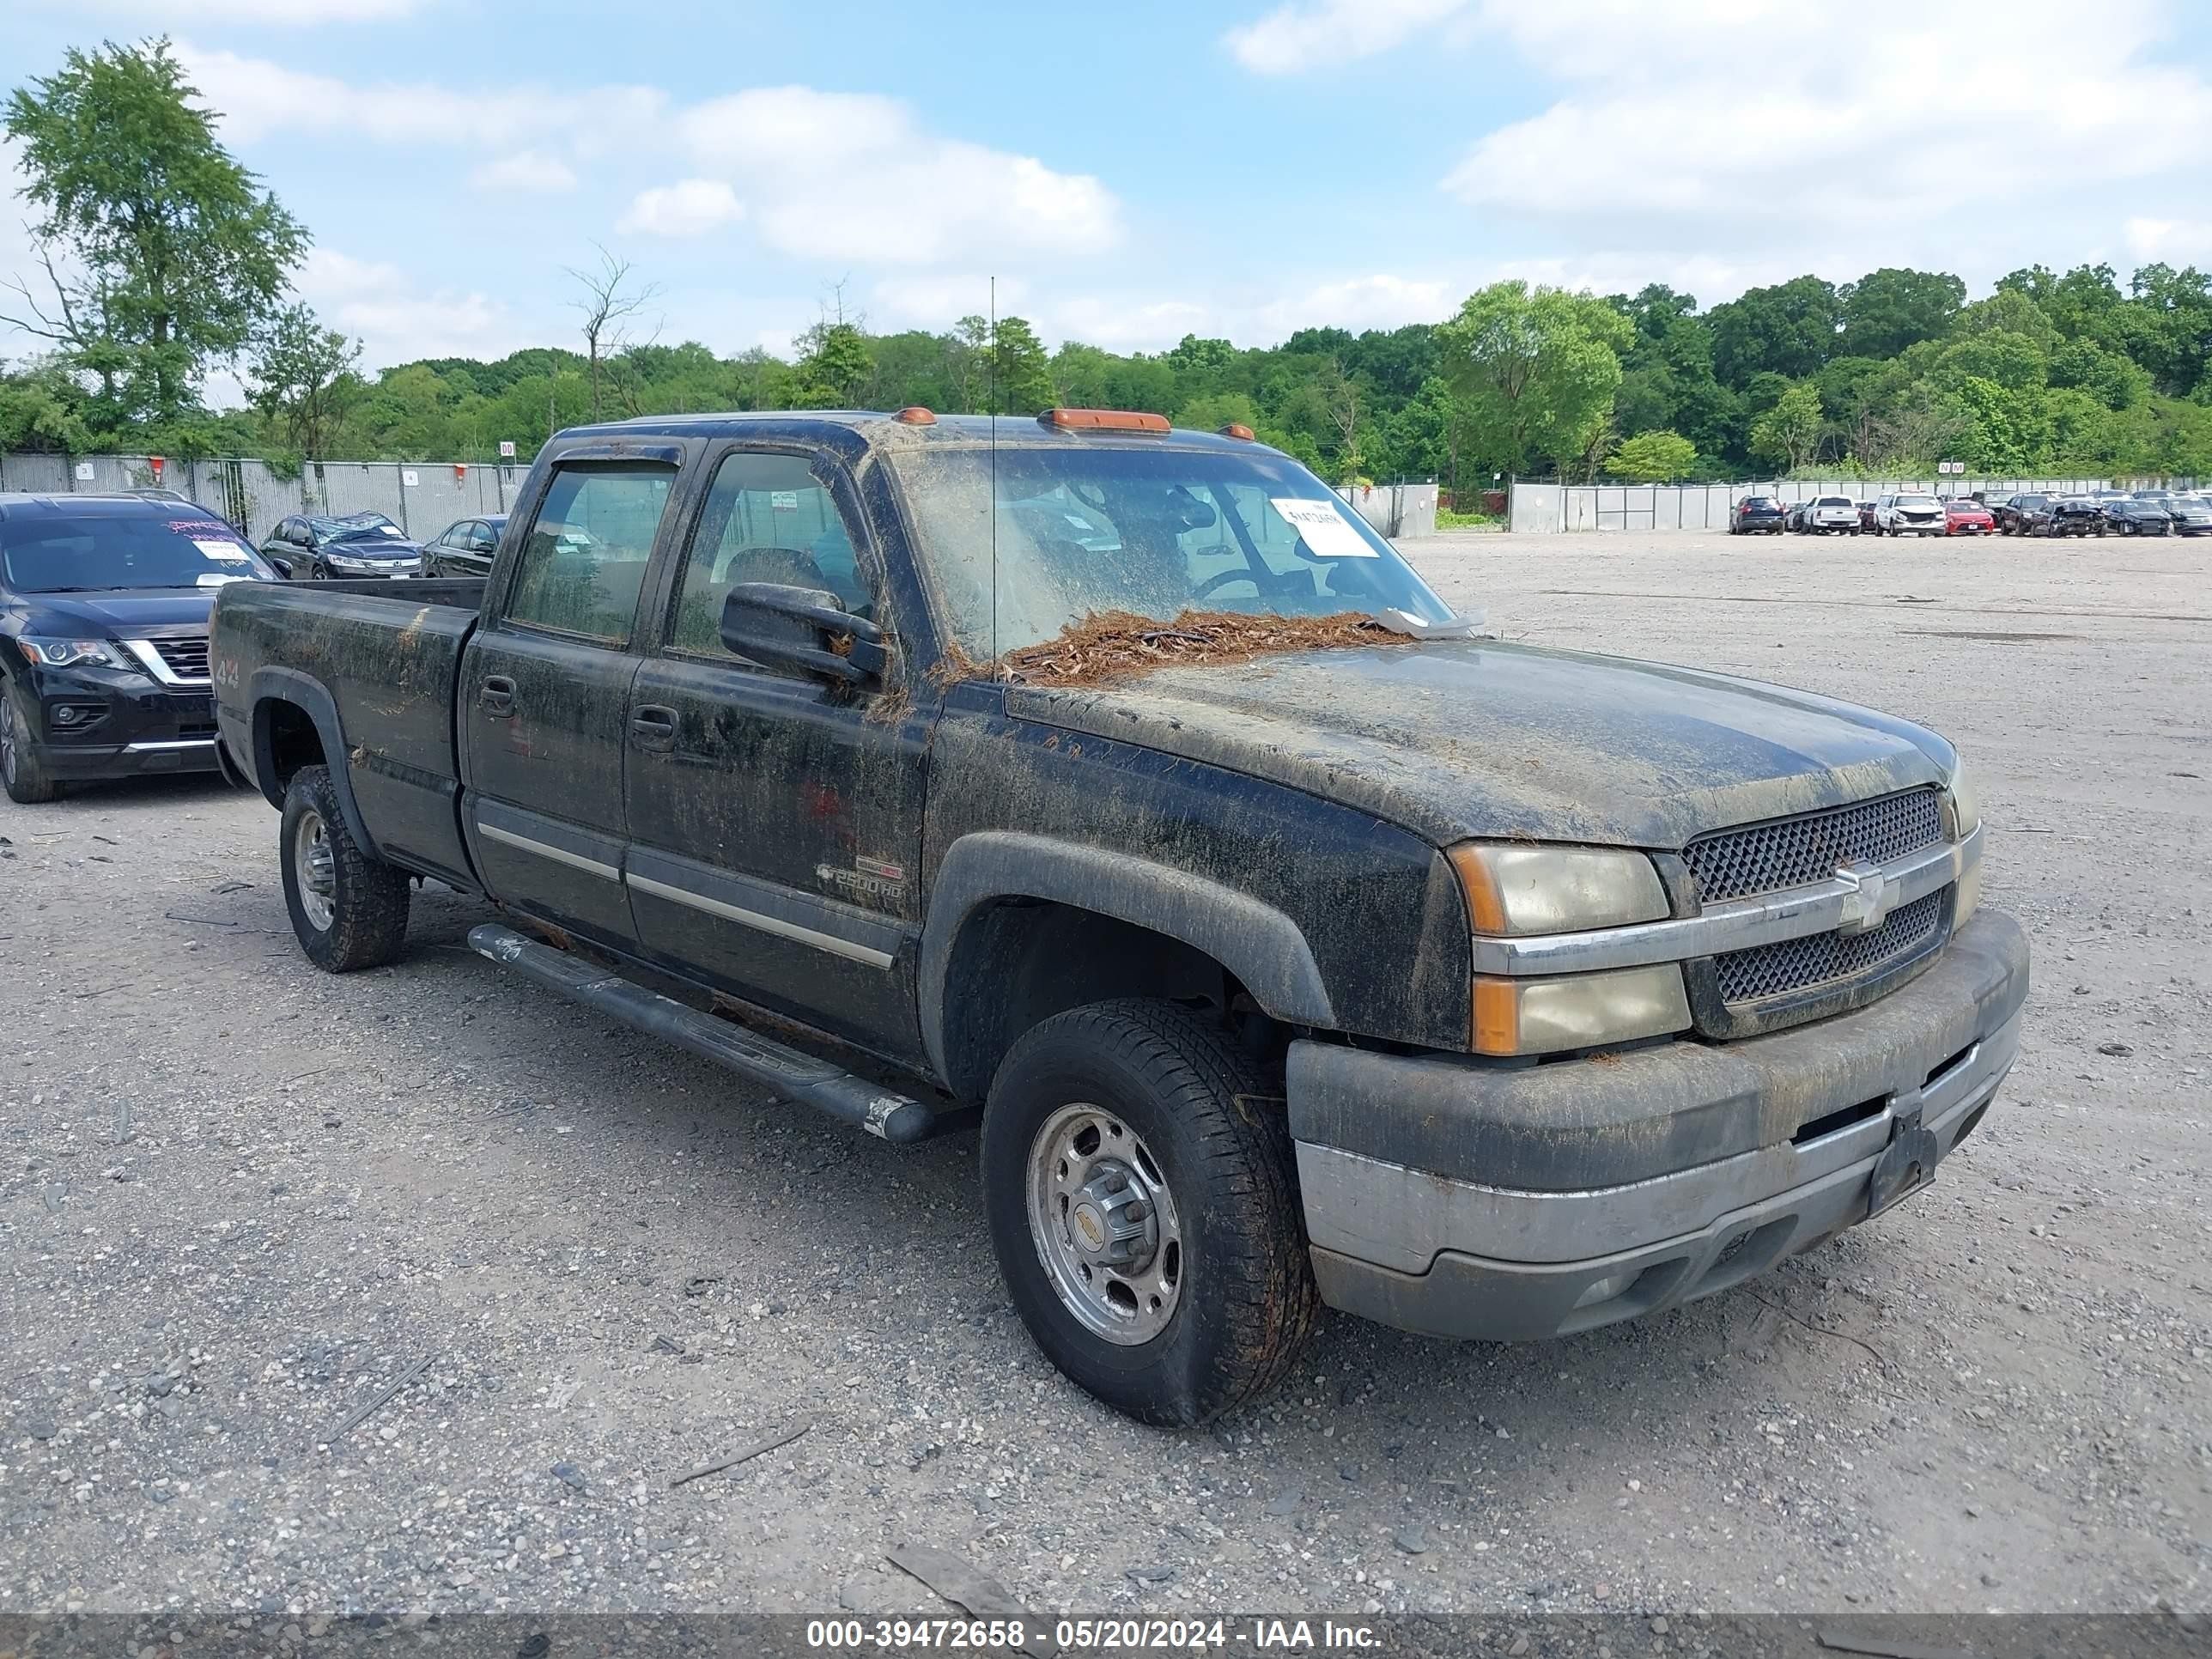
387 654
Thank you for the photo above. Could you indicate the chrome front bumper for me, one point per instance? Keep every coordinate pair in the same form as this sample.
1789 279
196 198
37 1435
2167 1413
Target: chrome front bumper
1618 1188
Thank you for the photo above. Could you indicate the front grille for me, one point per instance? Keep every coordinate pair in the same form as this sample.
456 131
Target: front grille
1766 857
1796 966
187 658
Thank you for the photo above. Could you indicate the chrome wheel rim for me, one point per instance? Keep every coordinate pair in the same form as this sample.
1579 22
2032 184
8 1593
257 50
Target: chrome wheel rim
317 870
1104 1225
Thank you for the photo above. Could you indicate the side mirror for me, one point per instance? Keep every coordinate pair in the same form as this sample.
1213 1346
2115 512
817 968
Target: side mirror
802 632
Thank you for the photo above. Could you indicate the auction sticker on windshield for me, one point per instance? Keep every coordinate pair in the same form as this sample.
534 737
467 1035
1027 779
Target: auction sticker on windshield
1322 527
221 552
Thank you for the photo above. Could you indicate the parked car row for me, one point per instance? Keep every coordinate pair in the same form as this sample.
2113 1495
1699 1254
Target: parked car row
2106 513
369 546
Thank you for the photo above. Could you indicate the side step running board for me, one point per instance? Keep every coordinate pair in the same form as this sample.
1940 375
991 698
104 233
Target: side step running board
784 1071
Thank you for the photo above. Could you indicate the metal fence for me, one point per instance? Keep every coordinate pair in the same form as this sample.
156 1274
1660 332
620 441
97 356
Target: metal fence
423 497
1396 510
1548 507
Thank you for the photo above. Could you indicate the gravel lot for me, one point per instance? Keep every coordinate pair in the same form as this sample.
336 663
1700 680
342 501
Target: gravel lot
238 1199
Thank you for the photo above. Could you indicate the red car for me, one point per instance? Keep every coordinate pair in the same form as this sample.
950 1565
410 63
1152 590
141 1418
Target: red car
1964 516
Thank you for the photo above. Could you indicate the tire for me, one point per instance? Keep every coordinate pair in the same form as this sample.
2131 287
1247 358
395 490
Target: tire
21 772
349 909
1205 1119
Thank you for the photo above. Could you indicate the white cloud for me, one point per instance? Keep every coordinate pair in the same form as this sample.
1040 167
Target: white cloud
258 99
1670 123
824 175
2177 241
397 321
527 172
856 176
1318 34
936 301
690 207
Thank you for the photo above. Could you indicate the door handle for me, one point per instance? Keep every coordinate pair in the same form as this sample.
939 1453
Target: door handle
651 726
497 695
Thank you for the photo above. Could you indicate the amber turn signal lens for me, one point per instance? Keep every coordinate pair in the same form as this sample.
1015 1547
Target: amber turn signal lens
1497 1017
1486 908
1102 420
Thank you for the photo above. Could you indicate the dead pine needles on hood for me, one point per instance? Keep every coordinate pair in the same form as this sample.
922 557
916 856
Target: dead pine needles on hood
1115 645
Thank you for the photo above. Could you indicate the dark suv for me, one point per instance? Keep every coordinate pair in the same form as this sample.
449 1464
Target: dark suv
104 602
1757 515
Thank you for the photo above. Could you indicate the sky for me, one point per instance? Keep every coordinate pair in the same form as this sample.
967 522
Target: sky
1131 172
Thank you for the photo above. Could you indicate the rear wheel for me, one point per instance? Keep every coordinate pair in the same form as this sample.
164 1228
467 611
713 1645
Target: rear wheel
348 908
25 778
1142 1198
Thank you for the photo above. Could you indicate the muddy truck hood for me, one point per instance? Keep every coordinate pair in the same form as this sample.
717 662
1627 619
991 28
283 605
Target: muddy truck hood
1476 738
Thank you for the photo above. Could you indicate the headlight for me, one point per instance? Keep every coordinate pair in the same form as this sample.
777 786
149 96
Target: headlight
347 562
1966 803
67 654
1582 1010
1513 889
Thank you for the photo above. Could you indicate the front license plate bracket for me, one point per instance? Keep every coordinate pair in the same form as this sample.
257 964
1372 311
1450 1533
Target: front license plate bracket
1906 1164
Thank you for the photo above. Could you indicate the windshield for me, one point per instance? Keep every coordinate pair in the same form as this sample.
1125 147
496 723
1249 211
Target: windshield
87 554
1086 530
358 528
1916 500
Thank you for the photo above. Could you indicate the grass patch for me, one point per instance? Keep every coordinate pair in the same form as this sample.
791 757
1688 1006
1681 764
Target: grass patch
1448 520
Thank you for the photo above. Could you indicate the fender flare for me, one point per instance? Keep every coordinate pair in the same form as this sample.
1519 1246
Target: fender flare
1252 939
276 684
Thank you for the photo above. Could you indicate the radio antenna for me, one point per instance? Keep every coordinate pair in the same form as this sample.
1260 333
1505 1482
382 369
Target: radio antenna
994 503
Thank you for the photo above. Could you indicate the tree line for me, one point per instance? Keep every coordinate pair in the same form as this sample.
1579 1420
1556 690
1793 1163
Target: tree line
161 258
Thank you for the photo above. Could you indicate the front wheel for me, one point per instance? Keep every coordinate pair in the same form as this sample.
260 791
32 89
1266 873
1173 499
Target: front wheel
1142 1198
348 908
25 778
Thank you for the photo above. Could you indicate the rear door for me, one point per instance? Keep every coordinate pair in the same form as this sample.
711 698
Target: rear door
543 696
776 823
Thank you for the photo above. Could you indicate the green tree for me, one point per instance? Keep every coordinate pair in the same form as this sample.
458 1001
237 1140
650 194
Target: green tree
43 410
1018 369
1653 458
2007 428
302 378
1536 370
1788 434
836 366
1888 310
174 252
1789 329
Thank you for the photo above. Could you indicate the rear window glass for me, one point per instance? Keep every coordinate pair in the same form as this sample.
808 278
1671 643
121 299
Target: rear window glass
1833 501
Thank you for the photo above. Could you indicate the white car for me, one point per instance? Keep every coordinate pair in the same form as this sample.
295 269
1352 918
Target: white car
1829 515
1908 515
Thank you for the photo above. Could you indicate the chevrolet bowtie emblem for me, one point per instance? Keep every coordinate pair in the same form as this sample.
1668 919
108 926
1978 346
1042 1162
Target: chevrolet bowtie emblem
1866 907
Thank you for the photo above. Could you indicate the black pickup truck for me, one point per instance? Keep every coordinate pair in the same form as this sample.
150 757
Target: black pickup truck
1294 942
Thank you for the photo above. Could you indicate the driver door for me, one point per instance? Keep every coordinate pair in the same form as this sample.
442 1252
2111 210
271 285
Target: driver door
775 822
